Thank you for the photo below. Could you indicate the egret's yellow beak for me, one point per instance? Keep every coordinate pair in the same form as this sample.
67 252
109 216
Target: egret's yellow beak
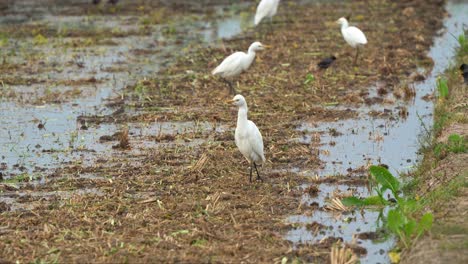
337 21
229 101
266 46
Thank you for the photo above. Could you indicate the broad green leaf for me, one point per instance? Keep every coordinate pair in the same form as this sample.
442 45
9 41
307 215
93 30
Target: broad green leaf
409 228
352 201
374 200
425 223
394 220
407 205
385 179
442 87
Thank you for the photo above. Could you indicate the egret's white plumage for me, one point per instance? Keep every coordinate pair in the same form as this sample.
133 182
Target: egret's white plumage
237 62
249 141
266 8
352 35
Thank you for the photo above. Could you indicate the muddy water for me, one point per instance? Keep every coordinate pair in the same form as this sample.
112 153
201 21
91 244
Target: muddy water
387 138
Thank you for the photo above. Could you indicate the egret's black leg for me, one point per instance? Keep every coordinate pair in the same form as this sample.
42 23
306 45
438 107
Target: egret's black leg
231 88
250 177
258 175
271 25
357 54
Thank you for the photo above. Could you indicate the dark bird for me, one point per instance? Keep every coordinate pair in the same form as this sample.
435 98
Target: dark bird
464 72
325 63
96 2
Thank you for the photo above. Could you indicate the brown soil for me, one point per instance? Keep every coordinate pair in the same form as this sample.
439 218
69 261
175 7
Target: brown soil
193 203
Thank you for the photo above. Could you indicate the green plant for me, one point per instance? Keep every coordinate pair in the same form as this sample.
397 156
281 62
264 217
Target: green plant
463 42
24 177
407 227
381 180
401 219
442 88
455 144
39 39
3 39
141 90
309 78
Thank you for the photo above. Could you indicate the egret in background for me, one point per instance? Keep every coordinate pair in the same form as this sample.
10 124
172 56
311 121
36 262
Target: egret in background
248 138
266 8
352 35
236 63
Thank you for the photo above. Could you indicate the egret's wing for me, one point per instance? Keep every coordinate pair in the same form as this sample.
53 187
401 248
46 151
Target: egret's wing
256 140
357 35
230 63
263 9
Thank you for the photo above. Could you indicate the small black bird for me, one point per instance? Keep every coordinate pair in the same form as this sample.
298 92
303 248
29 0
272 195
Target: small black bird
464 70
325 63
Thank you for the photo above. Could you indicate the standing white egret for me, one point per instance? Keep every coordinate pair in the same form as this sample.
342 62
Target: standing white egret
352 35
249 141
266 8
236 63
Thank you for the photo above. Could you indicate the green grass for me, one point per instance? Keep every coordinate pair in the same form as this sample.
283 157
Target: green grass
440 196
24 177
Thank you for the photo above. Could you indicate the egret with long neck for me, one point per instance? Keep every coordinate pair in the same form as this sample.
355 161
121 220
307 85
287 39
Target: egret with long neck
236 63
352 35
248 138
266 8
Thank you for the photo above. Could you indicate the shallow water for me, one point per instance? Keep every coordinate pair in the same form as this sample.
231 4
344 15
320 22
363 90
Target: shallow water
392 140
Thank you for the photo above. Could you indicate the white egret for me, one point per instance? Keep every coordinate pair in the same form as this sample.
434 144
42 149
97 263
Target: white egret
266 8
236 63
352 35
249 141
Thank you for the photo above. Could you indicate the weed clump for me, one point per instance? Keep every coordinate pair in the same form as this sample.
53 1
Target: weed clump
401 220
124 142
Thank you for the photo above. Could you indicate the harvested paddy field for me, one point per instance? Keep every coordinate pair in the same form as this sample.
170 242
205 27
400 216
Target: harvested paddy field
117 146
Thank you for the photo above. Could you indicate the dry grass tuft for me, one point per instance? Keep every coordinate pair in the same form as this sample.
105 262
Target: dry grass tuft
341 255
336 205
124 142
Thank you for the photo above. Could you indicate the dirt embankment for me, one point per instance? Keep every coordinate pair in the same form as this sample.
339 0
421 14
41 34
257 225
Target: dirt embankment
442 177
